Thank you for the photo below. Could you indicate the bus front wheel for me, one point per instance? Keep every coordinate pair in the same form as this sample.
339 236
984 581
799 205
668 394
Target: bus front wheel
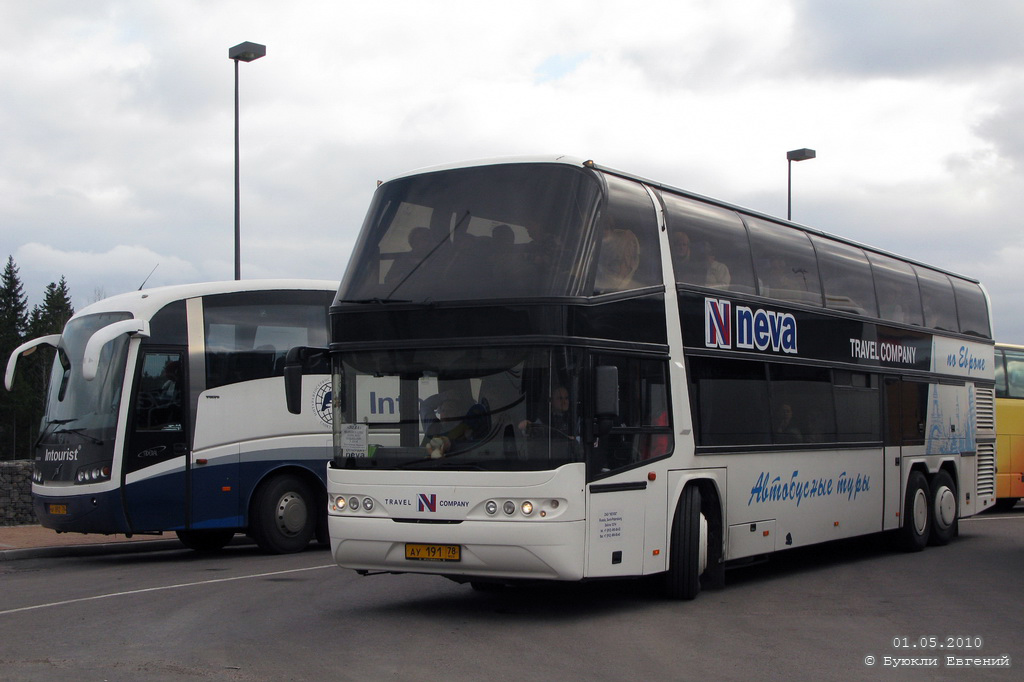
917 518
687 557
283 518
944 509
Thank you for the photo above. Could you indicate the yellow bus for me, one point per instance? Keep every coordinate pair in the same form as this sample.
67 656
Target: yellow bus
1009 425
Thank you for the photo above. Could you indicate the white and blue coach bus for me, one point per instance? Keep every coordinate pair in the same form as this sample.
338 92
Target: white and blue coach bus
547 369
164 412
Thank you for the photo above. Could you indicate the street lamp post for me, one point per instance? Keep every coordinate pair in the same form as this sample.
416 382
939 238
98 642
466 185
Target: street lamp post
243 52
795 155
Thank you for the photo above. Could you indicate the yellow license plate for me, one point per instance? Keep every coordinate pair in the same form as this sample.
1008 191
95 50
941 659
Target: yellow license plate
58 508
418 552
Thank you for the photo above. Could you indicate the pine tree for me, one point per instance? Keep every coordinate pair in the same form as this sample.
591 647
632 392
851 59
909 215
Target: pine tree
55 311
14 317
13 308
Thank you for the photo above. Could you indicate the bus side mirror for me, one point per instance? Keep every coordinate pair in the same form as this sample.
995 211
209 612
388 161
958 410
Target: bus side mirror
298 362
606 397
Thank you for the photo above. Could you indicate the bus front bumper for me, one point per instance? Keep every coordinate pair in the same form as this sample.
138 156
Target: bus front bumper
96 513
486 549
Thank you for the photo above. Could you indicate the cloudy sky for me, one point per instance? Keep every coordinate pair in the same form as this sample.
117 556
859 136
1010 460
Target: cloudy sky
117 122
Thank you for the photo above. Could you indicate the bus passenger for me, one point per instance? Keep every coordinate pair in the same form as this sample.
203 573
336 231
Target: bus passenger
717 275
688 268
786 430
619 259
405 263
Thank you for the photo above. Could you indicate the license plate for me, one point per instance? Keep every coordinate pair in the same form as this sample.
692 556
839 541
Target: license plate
58 508
417 552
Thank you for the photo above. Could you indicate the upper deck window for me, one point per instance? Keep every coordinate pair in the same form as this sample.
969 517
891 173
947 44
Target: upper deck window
628 255
786 265
971 308
846 277
500 231
937 299
899 298
709 245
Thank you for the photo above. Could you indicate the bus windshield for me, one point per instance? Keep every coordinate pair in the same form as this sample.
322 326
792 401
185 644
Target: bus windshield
494 409
81 416
486 232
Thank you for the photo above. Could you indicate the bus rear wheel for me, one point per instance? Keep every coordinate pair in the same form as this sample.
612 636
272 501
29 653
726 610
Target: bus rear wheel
944 509
205 540
917 517
283 515
687 557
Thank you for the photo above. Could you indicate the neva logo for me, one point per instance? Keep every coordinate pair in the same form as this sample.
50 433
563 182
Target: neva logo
748 329
426 503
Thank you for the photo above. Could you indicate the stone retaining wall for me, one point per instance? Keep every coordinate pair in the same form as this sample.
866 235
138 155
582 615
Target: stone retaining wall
16 493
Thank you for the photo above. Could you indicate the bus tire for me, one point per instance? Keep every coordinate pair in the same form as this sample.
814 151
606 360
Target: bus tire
205 540
944 509
687 556
917 518
283 516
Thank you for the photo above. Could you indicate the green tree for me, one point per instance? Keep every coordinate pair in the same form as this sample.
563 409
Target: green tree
21 408
14 318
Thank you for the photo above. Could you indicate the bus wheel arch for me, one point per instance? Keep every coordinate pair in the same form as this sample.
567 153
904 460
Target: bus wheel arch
944 508
284 511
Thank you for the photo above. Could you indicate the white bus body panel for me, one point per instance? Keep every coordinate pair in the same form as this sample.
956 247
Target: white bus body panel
796 499
448 508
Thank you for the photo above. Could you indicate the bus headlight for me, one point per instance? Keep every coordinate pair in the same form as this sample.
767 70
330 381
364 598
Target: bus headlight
509 507
340 503
491 507
354 504
368 504
527 508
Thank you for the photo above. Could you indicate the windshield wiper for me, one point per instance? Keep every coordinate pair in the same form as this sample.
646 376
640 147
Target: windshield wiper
83 434
366 301
444 239
46 430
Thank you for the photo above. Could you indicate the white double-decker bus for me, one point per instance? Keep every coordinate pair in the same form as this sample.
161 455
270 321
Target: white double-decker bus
165 412
547 369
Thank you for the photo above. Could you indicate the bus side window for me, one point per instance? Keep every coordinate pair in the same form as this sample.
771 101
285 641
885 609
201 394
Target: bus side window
937 300
971 308
1014 373
846 277
1000 368
899 298
629 254
729 402
787 268
698 232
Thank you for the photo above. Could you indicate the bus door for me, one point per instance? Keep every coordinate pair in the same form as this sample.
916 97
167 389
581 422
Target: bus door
904 432
625 507
156 450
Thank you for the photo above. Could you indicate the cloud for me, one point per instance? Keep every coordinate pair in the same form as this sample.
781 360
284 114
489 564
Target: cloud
118 121
909 38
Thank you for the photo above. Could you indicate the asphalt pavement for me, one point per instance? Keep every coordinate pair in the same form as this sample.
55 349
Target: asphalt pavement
32 542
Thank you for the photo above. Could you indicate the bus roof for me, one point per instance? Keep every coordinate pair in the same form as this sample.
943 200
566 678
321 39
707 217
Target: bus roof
578 162
145 303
